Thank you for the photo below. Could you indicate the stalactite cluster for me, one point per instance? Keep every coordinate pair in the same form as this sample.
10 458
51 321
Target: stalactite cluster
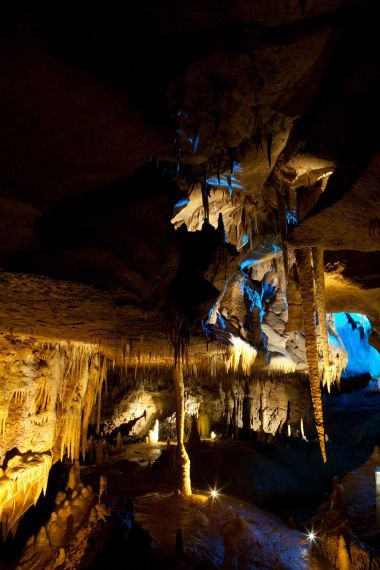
239 213
21 484
49 391
240 353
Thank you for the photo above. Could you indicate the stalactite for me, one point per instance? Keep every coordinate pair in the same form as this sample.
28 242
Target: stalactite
256 226
19 395
177 146
306 199
229 183
3 419
281 207
269 141
213 366
240 352
182 456
250 233
319 276
99 409
302 4
205 198
308 302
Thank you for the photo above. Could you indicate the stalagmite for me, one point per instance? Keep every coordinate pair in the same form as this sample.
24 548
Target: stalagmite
119 442
182 456
72 481
203 422
102 488
153 433
343 558
321 311
302 430
308 303
213 366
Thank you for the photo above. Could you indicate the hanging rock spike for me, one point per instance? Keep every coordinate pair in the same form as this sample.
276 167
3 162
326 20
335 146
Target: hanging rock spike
319 276
269 141
303 257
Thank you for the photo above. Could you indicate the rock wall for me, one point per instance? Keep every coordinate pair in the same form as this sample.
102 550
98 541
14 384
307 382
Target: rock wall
347 527
264 403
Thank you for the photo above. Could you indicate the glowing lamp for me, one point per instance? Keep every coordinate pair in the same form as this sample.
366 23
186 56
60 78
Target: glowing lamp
214 493
212 435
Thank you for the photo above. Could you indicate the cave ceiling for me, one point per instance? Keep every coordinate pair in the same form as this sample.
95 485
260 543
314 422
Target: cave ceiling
99 106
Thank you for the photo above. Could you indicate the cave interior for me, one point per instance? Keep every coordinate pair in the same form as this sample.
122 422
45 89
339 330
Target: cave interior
190 285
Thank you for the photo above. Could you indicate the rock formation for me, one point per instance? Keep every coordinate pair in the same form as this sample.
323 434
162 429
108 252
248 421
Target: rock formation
50 390
199 214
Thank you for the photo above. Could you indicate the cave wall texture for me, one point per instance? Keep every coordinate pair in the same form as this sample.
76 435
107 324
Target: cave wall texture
166 170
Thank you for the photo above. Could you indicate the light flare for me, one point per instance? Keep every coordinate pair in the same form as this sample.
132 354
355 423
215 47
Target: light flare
311 536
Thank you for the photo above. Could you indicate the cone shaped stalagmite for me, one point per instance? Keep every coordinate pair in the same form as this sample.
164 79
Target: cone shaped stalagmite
307 293
183 460
321 311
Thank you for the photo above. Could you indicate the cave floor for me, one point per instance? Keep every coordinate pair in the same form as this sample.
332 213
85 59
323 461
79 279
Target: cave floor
363 507
213 536
222 533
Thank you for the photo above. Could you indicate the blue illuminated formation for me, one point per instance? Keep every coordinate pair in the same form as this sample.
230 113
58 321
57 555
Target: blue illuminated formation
196 143
253 299
354 330
247 262
181 203
216 326
268 291
221 321
228 181
291 217
244 239
213 181
333 340
210 329
266 247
